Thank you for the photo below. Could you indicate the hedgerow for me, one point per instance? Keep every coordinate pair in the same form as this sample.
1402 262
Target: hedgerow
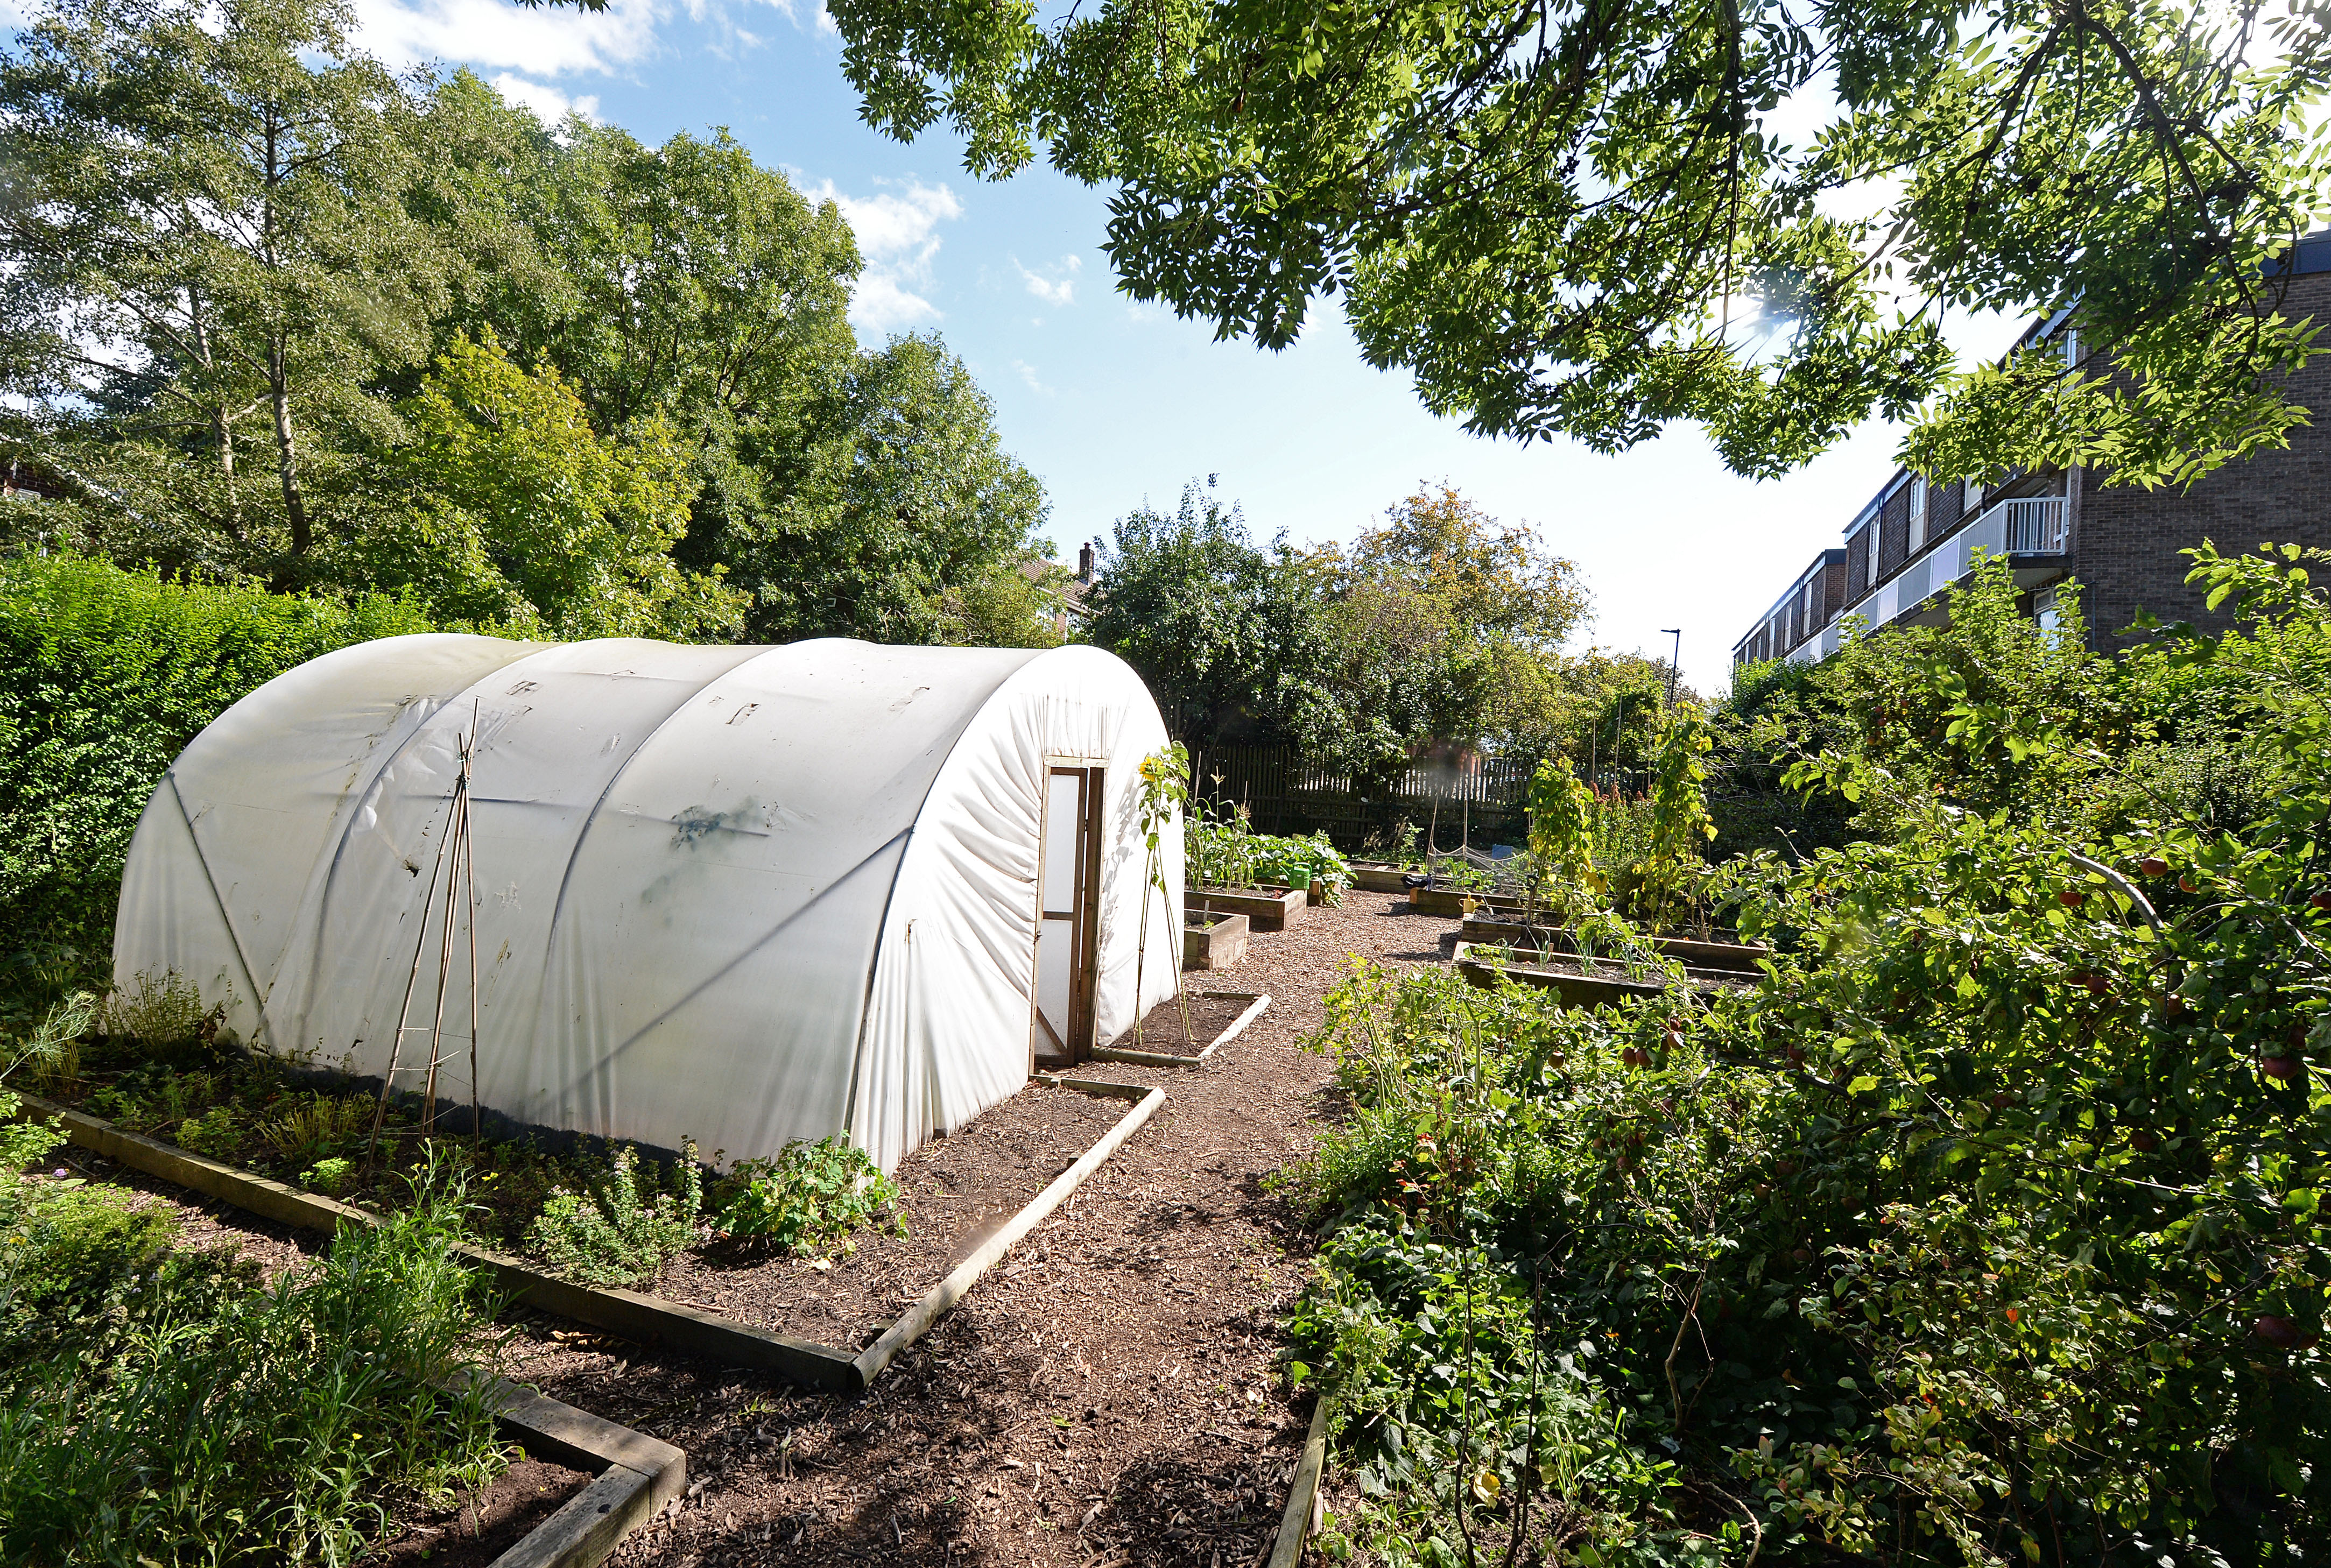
105 676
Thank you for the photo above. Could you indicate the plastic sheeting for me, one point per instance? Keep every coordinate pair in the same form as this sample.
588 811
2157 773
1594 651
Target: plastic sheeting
742 895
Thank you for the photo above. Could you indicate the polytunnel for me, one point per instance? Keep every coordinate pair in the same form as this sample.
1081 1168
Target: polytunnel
742 895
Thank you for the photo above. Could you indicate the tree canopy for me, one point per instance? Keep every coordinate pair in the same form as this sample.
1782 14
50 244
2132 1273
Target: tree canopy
277 314
1595 219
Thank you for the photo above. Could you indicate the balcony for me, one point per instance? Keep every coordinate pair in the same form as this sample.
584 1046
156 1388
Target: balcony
2026 526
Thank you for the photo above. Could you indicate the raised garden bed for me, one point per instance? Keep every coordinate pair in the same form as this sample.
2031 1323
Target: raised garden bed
1211 939
1568 976
724 1331
1372 877
1450 903
1266 908
1728 958
954 1192
479 1526
1215 1018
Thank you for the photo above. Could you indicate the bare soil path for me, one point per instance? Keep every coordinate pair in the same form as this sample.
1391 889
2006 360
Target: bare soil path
1107 1395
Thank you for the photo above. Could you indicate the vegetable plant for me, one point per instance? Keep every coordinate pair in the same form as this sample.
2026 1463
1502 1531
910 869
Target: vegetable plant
810 1197
624 1229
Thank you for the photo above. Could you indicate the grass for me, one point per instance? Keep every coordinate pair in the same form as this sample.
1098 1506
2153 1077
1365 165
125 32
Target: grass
167 1407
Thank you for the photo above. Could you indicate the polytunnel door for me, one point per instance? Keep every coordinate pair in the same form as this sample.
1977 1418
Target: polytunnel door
1068 947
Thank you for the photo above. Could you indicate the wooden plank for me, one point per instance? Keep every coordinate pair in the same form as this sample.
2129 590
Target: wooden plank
1302 1514
950 1290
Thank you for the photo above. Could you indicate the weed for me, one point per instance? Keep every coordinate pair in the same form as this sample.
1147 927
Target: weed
810 1195
330 1177
321 1125
217 1132
621 1232
178 1412
157 1013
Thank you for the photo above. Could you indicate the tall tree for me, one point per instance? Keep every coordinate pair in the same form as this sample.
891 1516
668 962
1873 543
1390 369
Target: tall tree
503 507
1595 218
203 207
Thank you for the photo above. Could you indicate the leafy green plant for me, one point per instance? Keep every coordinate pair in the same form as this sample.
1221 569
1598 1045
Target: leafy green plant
153 1012
219 1132
330 1177
1988 1228
1163 795
161 1406
809 1198
319 1126
1668 886
624 1228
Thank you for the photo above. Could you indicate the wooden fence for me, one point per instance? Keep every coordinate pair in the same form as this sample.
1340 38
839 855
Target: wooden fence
1480 805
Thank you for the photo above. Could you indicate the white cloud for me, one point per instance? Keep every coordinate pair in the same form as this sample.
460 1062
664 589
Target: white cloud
1061 289
549 41
897 236
1028 374
550 106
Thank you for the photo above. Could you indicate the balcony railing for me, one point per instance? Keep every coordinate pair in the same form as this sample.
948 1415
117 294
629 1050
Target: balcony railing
2027 525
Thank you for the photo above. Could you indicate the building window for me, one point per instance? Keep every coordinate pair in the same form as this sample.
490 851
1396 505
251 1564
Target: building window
1973 496
1918 514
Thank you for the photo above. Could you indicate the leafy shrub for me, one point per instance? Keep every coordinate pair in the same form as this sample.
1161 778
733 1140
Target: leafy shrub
812 1195
623 1229
330 1177
1989 1227
180 1414
218 1132
105 676
152 1014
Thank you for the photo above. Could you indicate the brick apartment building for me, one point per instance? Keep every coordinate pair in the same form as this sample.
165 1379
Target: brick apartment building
2120 543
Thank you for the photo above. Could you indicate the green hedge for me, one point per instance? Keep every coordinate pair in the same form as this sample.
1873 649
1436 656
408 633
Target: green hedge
105 676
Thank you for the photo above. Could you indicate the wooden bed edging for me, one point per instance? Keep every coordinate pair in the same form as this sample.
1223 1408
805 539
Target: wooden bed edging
645 1319
1302 1515
936 1301
639 1476
629 1313
1258 1003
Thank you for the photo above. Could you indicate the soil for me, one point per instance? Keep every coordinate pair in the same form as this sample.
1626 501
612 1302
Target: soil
954 1192
1111 1393
1209 1015
481 1526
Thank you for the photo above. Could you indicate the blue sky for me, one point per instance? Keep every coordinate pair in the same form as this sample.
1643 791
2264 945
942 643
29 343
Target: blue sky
1111 404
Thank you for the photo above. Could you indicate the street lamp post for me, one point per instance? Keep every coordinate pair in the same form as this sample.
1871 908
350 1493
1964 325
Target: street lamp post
1673 660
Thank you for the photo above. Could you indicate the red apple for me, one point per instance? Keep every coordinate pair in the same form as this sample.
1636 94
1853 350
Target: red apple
2282 1068
2186 884
2322 899
2070 898
2153 866
2143 1141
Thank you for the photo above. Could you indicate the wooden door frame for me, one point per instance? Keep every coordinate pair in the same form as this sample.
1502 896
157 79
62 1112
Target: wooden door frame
1084 936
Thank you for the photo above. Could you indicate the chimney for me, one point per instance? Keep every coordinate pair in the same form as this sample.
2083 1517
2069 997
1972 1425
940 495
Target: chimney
1085 562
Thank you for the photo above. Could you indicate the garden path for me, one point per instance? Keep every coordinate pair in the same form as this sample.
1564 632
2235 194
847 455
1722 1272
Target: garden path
1107 1395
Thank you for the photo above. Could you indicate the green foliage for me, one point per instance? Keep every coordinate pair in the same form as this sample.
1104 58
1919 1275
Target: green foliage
625 1227
317 1127
1562 812
1985 1229
219 1132
330 1177
808 1199
1594 224
159 1406
215 262
504 507
1668 885
256 334
1222 631
105 675
1223 849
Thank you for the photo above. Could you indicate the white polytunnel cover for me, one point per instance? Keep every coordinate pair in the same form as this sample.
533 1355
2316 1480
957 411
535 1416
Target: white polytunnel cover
741 895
